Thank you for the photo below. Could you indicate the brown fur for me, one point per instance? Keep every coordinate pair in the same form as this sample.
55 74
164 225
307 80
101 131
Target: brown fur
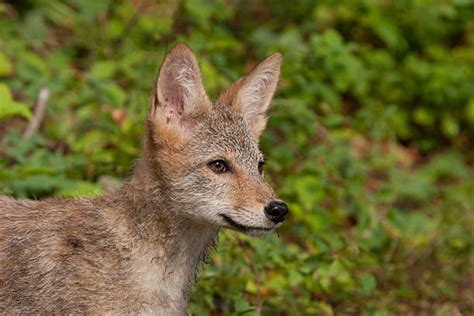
136 250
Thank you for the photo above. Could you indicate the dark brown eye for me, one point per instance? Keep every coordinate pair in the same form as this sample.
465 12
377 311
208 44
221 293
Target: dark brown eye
261 163
218 166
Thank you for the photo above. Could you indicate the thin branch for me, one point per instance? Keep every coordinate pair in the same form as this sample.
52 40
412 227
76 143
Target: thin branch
38 115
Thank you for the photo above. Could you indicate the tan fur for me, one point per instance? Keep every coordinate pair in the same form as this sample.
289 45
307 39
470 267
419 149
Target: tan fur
136 250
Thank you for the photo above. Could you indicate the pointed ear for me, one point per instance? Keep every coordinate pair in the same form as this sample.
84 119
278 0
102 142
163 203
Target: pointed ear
254 92
180 99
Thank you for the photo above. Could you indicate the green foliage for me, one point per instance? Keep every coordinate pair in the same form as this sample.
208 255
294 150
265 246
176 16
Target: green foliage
369 141
9 107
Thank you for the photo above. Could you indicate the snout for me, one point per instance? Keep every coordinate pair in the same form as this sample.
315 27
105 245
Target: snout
276 211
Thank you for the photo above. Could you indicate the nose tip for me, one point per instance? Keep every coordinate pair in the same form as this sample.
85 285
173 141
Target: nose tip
276 211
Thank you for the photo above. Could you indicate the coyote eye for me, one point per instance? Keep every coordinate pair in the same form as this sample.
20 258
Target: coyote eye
218 166
260 166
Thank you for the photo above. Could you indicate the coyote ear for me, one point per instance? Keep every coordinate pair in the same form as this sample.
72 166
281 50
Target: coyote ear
255 92
180 99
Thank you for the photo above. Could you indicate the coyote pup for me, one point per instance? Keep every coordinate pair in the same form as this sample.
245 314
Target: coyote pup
136 250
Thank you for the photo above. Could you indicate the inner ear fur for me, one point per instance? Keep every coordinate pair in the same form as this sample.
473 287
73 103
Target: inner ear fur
180 100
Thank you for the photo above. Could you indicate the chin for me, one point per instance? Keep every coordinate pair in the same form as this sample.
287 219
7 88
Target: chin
253 230
258 233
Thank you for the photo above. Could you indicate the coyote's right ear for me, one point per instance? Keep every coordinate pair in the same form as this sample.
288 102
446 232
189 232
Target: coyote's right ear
180 99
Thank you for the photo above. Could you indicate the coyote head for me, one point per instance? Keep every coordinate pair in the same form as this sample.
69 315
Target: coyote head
205 156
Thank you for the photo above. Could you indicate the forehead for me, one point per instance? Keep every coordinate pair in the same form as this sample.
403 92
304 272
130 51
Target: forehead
227 133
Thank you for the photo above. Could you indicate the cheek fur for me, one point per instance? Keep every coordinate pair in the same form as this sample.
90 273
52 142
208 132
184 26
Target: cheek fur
203 186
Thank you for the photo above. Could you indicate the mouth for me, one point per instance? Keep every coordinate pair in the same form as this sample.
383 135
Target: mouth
243 228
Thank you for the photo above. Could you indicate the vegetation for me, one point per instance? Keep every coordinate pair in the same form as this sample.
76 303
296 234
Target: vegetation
370 139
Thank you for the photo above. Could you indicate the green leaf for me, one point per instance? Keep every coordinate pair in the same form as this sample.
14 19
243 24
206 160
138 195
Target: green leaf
423 117
449 126
470 111
9 107
103 70
5 65
80 188
242 307
368 283
295 277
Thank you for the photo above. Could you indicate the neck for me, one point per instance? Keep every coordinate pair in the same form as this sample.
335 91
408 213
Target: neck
169 246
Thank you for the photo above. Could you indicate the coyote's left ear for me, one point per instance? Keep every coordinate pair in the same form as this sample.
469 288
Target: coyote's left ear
255 92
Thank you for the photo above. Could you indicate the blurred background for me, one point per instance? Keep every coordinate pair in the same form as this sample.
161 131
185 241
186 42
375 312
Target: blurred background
370 139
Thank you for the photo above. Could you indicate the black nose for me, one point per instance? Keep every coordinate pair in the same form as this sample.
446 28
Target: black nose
276 211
